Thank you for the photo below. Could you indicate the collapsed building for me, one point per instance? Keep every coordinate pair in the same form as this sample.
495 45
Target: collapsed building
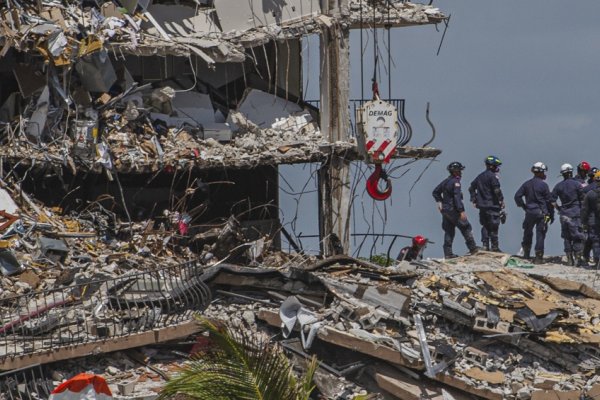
139 186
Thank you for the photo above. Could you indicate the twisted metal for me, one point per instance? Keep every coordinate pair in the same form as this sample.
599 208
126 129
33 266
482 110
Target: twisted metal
97 310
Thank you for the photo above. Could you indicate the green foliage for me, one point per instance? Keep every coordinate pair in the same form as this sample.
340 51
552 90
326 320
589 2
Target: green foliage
381 259
241 366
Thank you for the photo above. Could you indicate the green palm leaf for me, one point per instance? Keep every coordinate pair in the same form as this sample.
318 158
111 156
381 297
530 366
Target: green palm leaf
242 367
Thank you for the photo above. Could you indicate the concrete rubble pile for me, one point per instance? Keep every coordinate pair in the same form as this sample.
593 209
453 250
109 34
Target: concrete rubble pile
85 282
87 277
70 68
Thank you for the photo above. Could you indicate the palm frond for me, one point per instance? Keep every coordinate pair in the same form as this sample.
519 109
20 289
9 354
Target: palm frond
242 366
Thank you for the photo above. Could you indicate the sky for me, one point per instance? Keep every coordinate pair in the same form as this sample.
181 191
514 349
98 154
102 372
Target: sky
518 80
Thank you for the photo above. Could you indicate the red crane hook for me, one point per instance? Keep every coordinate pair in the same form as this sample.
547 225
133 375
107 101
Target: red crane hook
373 184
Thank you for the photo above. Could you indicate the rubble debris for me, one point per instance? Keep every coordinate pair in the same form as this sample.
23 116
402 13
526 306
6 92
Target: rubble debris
522 361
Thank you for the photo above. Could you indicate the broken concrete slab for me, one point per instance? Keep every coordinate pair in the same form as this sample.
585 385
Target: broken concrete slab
236 16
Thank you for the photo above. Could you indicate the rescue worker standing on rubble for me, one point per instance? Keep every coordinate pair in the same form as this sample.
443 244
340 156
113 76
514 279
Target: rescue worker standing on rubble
591 174
591 207
591 233
583 170
538 211
487 196
449 198
570 194
414 252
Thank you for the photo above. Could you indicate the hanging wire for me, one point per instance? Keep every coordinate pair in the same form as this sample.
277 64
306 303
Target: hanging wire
362 85
389 50
374 86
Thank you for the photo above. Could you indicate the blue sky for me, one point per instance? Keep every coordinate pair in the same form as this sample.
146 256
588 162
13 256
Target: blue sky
519 80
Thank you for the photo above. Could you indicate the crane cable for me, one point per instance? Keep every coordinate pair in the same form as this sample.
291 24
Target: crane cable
379 174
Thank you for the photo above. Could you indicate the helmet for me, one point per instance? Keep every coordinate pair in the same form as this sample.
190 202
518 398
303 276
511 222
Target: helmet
455 166
493 160
419 241
597 176
592 172
539 167
566 168
583 166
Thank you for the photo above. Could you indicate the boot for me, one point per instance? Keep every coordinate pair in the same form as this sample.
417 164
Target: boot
539 257
448 253
495 246
570 259
527 252
581 262
486 247
474 250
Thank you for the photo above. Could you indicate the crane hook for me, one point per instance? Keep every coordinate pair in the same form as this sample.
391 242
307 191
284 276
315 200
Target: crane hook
373 184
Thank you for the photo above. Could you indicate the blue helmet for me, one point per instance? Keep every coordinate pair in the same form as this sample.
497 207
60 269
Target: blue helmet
493 161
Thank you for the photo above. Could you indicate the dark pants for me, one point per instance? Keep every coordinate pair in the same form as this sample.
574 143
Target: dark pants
450 221
572 233
588 242
490 222
534 221
594 239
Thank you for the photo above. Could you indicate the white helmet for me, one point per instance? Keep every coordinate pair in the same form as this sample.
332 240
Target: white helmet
566 168
539 167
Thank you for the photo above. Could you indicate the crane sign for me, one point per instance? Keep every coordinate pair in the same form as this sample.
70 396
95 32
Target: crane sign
378 131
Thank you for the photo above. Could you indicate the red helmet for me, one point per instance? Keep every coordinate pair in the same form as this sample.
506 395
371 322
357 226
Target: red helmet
419 241
583 166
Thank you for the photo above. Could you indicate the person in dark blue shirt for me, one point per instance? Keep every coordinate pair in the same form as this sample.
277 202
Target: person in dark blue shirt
591 175
590 216
487 196
583 169
449 198
570 194
591 234
538 211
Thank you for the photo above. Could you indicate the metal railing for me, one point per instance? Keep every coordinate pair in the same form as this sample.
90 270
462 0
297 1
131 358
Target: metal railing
405 129
25 384
97 310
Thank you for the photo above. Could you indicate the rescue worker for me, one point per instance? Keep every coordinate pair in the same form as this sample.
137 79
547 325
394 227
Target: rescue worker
570 194
591 207
538 211
583 170
487 196
449 198
591 174
589 236
414 252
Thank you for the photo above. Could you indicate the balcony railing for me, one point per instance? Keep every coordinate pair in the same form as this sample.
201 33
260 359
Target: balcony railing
99 310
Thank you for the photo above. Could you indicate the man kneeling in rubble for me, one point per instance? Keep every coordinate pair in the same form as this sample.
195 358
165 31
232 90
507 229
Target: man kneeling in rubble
414 252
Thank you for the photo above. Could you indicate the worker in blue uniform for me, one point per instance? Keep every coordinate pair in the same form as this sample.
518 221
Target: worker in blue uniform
590 216
570 194
583 169
449 199
591 174
539 211
487 197
591 233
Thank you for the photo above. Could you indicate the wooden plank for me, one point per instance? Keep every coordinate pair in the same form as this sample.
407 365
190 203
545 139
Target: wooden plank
105 346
